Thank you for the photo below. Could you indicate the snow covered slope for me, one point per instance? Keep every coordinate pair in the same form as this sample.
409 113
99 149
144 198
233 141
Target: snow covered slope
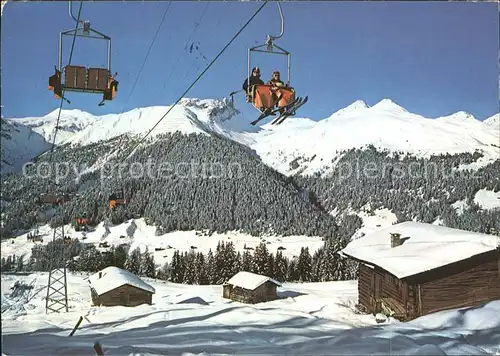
163 246
386 125
18 145
70 123
314 145
310 319
493 121
217 117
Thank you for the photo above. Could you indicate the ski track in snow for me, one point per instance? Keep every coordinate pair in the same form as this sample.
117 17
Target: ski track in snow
312 318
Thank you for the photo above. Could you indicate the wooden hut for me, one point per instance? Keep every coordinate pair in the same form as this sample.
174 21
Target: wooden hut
114 286
413 269
247 287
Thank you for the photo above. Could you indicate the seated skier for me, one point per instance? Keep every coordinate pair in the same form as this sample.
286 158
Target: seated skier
276 83
254 80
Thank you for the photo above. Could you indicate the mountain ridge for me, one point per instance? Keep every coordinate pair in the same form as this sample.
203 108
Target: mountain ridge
386 125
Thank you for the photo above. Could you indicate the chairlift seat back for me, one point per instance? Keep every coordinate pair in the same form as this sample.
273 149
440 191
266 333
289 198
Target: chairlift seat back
75 77
98 79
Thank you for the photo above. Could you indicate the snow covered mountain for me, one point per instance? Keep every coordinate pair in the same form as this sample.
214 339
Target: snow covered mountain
70 123
299 145
493 121
302 145
18 145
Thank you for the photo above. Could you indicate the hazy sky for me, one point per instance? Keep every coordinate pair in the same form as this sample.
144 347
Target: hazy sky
432 58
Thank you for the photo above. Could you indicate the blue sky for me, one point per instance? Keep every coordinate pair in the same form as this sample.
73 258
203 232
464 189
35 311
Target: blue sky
432 58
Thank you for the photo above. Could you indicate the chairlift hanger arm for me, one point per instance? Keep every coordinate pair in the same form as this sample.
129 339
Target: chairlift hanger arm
282 23
256 49
71 13
100 37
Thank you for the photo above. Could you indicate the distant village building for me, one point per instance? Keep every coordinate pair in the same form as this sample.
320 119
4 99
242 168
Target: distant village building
413 269
250 288
114 286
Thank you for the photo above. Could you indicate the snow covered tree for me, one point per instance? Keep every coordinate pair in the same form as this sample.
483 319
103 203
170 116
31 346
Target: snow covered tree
177 268
119 257
190 268
164 272
201 270
304 267
280 267
211 272
317 261
261 259
148 267
270 266
292 271
246 261
133 262
90 260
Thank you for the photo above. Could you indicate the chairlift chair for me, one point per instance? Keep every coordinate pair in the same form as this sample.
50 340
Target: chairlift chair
116 199
265 97
79 78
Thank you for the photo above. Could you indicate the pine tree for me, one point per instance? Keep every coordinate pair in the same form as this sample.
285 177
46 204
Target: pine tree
176 268
270 266
120 257
280 267
190 268
211 274
246 261
317 263
148 267
201 270
133 262
90 260
304 267
237 264
229 262
164 272
261 259
219 263
292 272
20 263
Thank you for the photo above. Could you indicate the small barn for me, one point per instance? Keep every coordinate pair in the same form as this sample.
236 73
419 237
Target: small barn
247 287
413 269
114 286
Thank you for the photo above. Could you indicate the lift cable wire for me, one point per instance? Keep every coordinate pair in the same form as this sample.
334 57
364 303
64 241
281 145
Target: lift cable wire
147 55
196 24
178 57
199 76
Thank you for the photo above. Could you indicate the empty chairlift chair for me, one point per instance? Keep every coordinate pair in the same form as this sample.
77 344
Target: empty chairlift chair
79 78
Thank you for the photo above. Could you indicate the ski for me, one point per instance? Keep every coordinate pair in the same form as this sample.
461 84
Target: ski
290 111
287 109
262 116
269 112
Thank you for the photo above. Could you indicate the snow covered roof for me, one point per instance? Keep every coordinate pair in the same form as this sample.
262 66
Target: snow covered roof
250 281
427 247
114 277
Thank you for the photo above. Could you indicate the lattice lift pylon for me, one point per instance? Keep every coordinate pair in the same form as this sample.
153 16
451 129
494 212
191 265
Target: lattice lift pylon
57 286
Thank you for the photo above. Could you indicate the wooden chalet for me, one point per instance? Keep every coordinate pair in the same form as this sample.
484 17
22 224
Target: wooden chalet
413 269
114 286
247 287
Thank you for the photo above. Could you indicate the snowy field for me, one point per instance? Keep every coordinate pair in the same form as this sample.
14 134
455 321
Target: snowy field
312 318
144 238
